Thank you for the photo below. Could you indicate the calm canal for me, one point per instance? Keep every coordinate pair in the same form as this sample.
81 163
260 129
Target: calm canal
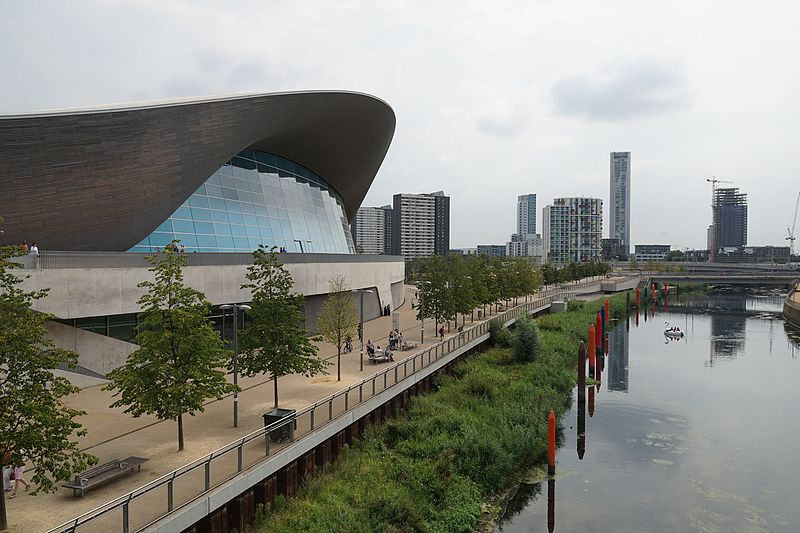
698 434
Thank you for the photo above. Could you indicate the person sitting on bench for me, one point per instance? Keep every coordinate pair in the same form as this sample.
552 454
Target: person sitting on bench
370 349
388 354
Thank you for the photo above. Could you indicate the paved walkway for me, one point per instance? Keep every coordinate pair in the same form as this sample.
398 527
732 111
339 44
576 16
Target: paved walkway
113 434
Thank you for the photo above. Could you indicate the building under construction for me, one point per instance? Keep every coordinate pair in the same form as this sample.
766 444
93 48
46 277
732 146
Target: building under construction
729 227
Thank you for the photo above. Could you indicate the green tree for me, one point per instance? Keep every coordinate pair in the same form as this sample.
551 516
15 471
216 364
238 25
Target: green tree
479 278
276 343
34 423
526 344
181 359
437 297
338 321
461 286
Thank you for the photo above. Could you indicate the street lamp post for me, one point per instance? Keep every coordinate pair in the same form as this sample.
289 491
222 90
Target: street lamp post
235 361
361 357
422 310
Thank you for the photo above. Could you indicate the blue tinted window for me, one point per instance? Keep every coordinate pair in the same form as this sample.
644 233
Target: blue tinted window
289 202
183 226
219 216
222 229
204 227
183 212
214 190
206 241
216 203
224 242
201 214
188 240
196 200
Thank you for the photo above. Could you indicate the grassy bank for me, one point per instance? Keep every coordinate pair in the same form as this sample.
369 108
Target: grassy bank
433 468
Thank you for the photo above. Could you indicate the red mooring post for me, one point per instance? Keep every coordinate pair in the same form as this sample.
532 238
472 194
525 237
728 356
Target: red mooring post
582 371
592 349
653 292
637 297
598 331
551 443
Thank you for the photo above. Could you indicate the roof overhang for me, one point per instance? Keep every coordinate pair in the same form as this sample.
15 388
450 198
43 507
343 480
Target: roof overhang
104 178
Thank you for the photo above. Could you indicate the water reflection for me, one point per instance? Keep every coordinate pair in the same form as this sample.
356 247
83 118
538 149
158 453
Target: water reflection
619 339
727 335
551 504
581 446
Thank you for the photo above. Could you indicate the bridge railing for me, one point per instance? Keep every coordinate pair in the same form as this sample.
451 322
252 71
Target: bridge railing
151 502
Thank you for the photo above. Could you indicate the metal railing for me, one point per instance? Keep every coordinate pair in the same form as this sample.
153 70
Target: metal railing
147 504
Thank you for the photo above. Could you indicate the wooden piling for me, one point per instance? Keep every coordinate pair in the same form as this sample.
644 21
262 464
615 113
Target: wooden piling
592 349
582 370
551 443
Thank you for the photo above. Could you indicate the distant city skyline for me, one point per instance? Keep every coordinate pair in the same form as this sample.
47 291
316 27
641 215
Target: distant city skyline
492 100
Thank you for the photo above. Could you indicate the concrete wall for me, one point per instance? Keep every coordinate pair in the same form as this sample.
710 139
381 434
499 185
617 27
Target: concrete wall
96 352
85 292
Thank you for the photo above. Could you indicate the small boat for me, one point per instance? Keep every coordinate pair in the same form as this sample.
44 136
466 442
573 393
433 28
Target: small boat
673 331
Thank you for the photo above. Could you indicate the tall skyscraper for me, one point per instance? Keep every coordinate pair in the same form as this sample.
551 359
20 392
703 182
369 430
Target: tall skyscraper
421 224
730 210
620 198
525 242
572 229
526 214
372 230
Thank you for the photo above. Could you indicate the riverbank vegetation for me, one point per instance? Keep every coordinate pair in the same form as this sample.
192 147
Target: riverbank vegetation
433 468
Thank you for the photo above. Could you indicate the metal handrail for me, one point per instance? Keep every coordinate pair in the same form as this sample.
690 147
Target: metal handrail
434 352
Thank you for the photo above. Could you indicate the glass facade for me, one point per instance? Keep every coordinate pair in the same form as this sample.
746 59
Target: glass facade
258 198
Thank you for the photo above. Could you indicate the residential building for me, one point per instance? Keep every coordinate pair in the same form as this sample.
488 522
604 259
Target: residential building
497 250
651 252
731 223
525 245
421 224
612 250
572 230
526 214
464 251
372 230
620 199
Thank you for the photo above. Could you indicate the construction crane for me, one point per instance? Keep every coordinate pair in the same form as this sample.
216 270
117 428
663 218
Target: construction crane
790 238
713 245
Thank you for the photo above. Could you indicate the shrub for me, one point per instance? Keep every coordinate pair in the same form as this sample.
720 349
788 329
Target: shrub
495 327
575 305
526 342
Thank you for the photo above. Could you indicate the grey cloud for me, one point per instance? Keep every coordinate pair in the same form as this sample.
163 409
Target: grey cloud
503 126
633 91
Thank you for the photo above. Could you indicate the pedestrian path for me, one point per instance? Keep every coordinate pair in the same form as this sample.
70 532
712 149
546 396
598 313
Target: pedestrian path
113 434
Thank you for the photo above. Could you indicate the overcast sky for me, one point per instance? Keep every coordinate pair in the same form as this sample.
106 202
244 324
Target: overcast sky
493 99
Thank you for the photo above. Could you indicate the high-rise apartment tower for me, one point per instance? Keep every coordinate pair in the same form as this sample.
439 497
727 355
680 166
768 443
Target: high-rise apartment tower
620 198
572 229
526 214
372 230
730 213
421 224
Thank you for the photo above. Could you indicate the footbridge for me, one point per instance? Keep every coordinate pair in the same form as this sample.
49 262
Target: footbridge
738 278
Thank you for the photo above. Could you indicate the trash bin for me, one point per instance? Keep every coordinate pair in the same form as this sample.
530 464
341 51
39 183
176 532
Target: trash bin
284 431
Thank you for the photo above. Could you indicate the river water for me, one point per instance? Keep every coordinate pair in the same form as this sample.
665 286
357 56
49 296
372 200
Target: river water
697 434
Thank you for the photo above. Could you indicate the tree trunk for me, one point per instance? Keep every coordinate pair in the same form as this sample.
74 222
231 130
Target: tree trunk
180 433
275 387
3 518
338 365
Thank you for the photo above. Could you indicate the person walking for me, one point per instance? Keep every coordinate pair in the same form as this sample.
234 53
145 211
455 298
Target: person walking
18 479
25 247
34 249
441 332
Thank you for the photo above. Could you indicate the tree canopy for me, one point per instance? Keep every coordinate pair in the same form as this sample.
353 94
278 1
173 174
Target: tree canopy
276 343
34 422
181 359
338 321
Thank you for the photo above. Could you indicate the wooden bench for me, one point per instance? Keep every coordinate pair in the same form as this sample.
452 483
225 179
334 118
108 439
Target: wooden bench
408 345
378 357
102 473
